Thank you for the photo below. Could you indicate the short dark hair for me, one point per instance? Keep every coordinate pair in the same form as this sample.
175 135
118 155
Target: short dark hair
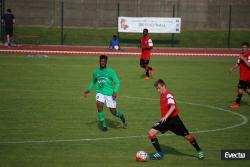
104 57
245 43
159 81
145 29
9 10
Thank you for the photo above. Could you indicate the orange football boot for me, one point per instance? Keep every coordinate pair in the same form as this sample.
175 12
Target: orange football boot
235 105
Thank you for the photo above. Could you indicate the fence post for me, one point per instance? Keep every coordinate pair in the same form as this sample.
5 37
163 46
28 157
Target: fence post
229 27
172 41
62 36
2 10
118 14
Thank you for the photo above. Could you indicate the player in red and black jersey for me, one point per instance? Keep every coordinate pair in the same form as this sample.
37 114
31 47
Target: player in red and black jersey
169 121
146 47
243 63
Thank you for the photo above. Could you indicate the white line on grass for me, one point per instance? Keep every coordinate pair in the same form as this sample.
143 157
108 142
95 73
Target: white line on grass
112 53
244 120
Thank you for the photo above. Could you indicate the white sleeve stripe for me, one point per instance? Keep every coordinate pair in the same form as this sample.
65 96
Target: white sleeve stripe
150 42
171 101
169 96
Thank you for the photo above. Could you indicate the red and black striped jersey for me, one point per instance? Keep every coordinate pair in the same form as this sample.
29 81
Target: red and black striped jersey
167 99
244 69
146 42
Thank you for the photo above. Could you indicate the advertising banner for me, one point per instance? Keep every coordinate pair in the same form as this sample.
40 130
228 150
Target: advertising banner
153 24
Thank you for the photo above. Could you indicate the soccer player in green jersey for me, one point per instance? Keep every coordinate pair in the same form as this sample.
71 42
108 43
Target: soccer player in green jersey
103 78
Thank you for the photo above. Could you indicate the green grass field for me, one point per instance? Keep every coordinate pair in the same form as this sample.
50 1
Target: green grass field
102 37
46 122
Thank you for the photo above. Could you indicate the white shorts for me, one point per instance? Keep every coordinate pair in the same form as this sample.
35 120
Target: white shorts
110 102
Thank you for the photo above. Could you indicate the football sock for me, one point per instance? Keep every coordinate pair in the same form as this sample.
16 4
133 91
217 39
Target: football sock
238 98
102 119
118 114
146 70
192 141
155 143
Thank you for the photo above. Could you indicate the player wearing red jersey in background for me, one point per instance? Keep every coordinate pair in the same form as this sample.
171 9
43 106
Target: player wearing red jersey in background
146 46
243 63
169 121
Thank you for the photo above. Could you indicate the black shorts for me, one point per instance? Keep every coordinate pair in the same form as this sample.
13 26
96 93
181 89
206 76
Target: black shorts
174 124
9 31
144 62
244 85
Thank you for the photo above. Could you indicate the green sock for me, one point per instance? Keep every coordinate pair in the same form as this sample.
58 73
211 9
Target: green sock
118 114
102 119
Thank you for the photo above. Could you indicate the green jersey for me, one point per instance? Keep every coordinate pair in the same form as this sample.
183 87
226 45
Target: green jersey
104 80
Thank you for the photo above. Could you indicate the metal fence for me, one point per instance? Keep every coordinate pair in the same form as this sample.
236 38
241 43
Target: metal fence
199 14
222 15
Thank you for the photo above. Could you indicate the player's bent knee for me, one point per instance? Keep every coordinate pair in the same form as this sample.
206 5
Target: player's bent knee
240 91
113 111
190 138
152 137
152 133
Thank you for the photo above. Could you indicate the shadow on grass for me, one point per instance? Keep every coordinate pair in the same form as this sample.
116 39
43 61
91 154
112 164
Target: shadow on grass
244 103
111 123
170 150
114 123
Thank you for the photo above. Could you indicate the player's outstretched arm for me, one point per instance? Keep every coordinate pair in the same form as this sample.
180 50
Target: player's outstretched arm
91 85
233 68
116 81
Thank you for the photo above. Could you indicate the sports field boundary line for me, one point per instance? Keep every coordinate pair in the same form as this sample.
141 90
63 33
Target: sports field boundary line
244 120
67 50
82 53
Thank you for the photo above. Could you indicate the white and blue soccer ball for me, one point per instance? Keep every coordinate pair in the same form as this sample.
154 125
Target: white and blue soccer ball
141 156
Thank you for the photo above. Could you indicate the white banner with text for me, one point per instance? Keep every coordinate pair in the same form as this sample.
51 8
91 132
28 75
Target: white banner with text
153 24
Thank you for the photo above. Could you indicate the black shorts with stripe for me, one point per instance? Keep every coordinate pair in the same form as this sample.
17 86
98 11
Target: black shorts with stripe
174 125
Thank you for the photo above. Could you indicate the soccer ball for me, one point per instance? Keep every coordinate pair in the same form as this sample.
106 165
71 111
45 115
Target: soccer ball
116 47
141 156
